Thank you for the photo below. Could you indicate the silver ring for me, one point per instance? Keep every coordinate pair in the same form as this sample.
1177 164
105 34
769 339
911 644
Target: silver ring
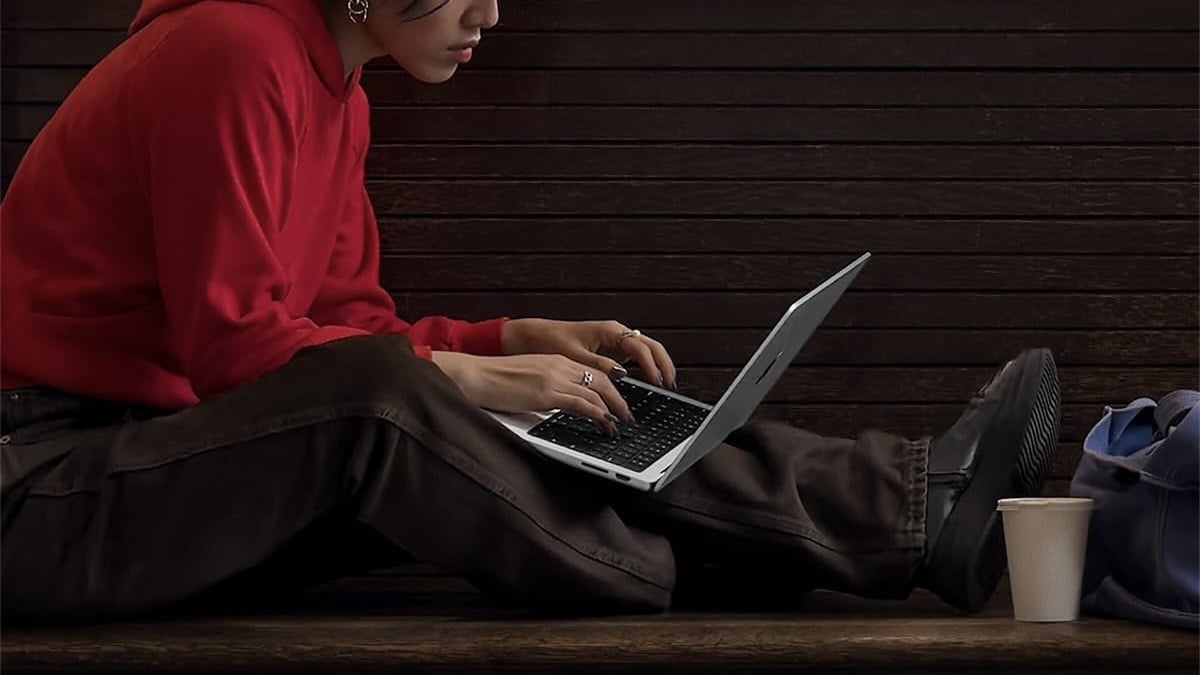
632 332
588 378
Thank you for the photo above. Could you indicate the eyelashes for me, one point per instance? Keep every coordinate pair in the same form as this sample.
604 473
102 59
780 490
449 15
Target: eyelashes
419 9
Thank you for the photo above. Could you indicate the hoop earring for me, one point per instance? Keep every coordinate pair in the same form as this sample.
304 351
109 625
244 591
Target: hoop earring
357 9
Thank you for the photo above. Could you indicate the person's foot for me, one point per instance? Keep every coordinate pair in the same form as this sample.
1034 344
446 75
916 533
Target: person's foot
1002 446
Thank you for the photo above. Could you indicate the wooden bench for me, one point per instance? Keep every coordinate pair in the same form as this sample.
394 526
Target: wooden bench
413 620
1023 170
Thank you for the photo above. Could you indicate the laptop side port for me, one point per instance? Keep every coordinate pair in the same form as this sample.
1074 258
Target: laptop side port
623 477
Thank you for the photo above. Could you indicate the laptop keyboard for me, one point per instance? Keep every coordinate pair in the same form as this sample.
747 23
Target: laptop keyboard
663 422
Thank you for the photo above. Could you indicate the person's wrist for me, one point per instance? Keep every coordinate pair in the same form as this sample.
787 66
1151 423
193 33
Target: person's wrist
515 336
456 366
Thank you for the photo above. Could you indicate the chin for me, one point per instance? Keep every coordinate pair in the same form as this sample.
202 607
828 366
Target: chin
434 75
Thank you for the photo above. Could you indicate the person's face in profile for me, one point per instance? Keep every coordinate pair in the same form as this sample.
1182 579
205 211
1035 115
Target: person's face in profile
430 38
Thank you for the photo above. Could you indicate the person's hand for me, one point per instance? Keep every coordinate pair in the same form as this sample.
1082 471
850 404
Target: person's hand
536 383
603 345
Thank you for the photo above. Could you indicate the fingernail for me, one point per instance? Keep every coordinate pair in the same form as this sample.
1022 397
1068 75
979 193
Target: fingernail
660 380
611 418
675 385
633 420
619 372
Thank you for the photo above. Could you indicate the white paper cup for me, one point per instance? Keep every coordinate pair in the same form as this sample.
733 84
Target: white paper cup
1046 540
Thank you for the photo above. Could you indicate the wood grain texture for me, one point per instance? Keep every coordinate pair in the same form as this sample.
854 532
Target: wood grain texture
794 88
1097 311
509 49
772 161
729 124
724 88
801 48
625 272
997 124
619 232
812 384
783 198
733 124
919 347
824 632
772 15
783 162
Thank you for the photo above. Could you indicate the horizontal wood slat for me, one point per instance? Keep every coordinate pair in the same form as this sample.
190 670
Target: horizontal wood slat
732 309
833 125
730 124
784 272
811 384
861 346
859 162
850 49
775 15
700 50
755 88
663 161
746 88
769 15
783 198
616 233
786 125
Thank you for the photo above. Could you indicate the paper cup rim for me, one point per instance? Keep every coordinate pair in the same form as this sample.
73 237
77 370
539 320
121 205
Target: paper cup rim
1046 504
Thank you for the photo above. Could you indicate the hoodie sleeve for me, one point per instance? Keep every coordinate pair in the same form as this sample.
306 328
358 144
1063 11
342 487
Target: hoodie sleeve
351 295
220 147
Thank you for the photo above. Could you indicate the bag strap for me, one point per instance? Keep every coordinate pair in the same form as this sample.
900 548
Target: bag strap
1172 409
1173 462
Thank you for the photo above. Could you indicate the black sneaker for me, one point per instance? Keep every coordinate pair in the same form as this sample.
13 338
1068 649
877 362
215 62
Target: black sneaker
1002 446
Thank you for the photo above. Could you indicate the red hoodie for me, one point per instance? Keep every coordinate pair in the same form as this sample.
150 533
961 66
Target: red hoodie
195 214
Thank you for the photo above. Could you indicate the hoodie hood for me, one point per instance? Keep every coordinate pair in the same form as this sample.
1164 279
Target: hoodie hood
304 15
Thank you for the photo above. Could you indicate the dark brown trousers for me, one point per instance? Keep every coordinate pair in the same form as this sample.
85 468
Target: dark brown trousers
363 452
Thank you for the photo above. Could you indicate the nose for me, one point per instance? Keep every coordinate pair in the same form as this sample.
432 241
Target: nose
483 15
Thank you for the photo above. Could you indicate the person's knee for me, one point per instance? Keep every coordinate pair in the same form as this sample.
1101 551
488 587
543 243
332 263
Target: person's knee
382 372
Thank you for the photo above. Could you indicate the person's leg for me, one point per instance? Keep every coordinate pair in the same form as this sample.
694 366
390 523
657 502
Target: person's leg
143 514
169 507
778 510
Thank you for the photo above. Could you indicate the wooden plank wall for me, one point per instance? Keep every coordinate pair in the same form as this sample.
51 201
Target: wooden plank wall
1024 170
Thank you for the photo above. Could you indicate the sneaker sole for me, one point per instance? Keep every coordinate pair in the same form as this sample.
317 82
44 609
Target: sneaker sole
1010 465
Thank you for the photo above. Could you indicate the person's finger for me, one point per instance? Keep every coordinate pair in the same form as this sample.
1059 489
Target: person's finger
663 360
637 348
613 399
601 363
601 383
611 335
583 401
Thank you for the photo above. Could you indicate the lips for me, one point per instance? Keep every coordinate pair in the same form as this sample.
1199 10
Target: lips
462 53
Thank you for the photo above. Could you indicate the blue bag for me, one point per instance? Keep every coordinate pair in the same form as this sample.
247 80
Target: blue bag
1141 464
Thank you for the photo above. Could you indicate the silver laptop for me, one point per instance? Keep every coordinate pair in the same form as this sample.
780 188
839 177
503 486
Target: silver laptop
673 431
